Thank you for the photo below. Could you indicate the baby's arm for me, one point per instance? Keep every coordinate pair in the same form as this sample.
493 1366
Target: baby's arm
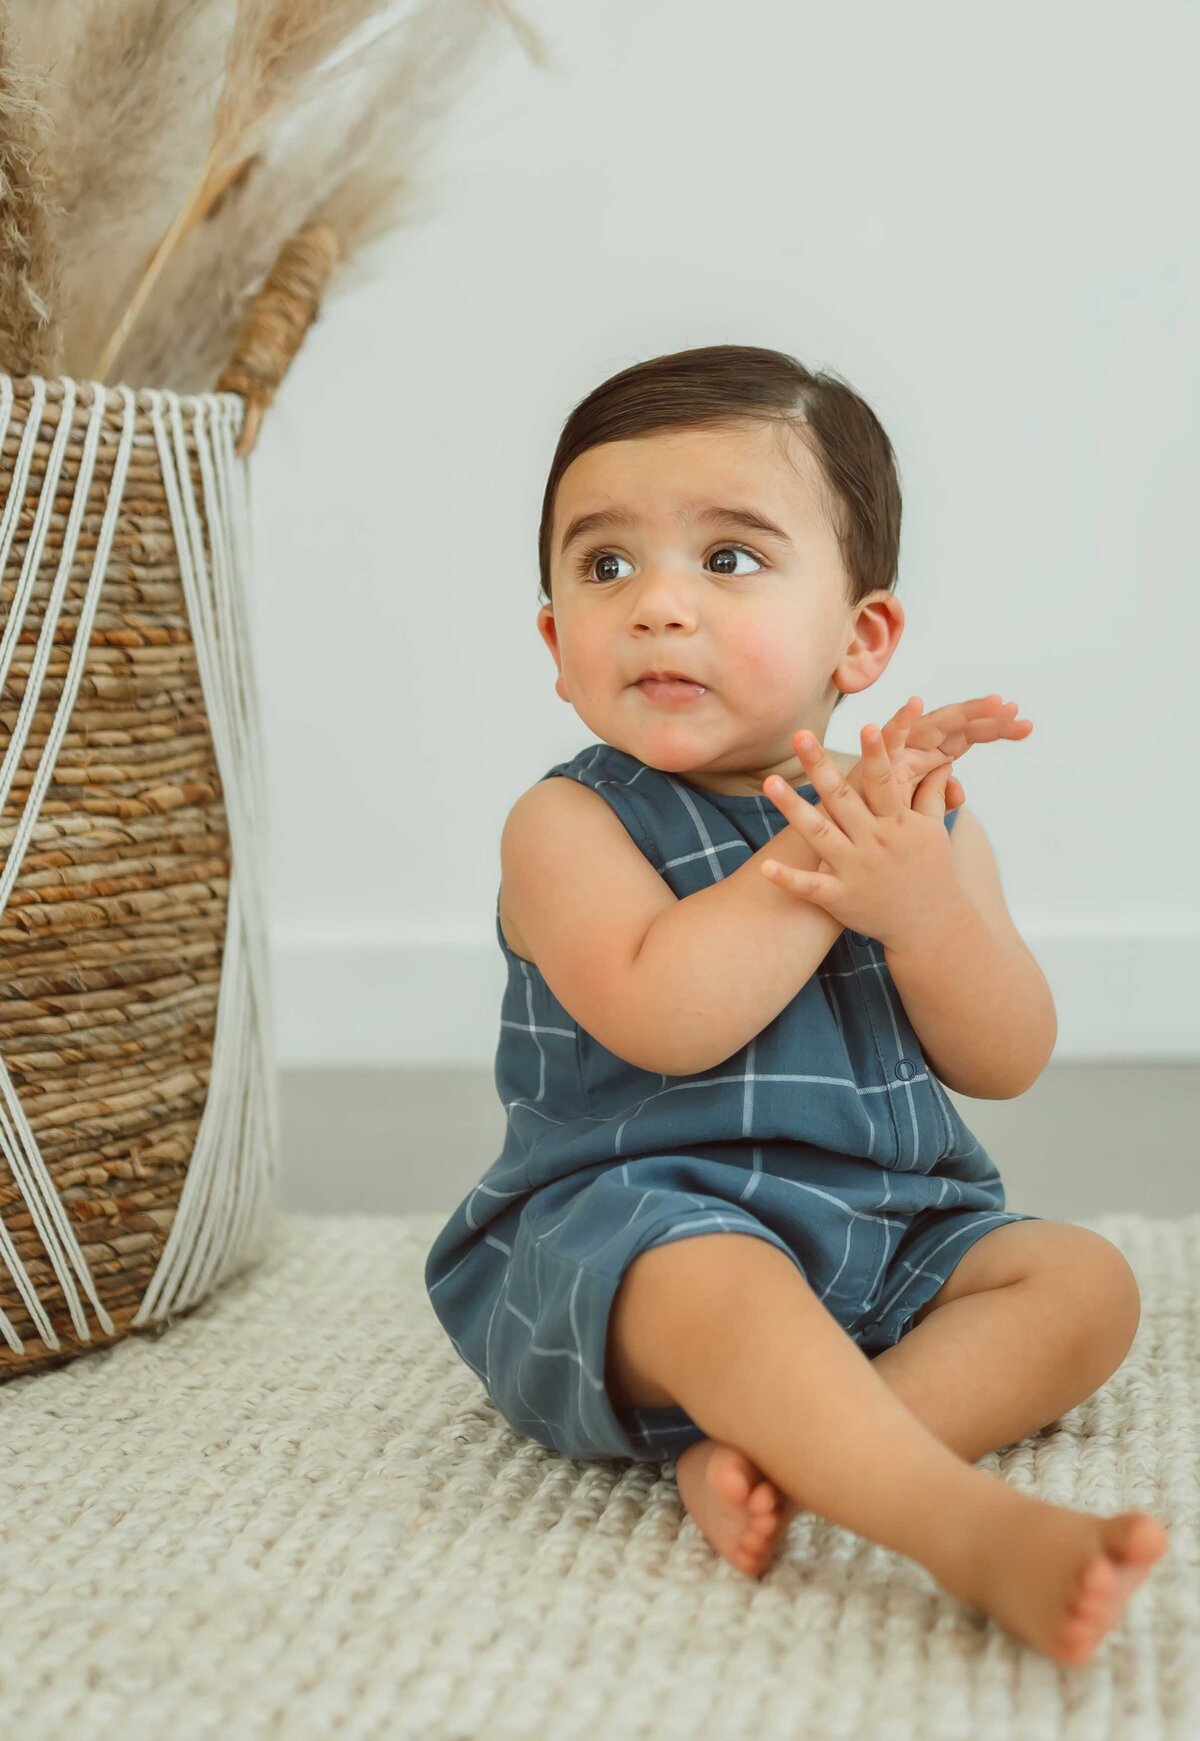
721 963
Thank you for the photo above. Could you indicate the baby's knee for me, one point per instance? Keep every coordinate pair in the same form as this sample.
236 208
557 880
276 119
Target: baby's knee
1122 1309
675 1302
1104 1300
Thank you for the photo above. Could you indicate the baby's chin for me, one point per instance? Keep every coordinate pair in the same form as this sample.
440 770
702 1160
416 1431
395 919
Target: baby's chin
692 743
725 773
670 749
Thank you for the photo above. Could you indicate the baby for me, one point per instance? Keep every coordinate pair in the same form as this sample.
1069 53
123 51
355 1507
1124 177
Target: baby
737 1221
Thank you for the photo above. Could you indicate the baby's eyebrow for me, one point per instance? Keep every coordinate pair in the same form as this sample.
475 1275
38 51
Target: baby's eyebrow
707 513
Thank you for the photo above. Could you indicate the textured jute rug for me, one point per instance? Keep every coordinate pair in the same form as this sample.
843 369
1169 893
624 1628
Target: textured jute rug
296 1513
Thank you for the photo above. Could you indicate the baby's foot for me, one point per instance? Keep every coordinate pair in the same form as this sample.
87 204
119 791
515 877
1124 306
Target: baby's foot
735 1506
1058 1578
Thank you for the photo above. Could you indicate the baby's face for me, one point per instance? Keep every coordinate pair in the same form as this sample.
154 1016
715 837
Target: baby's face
760 618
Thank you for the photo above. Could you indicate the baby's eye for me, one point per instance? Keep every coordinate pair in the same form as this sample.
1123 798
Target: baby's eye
592 558
735 549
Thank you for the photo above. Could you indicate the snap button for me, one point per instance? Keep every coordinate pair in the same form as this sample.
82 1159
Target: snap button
859 938
906 1070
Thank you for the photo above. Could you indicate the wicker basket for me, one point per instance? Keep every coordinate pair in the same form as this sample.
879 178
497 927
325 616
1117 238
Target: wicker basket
138 1100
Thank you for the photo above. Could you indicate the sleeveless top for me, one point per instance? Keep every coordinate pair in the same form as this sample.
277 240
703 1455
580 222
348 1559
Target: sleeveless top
839 1067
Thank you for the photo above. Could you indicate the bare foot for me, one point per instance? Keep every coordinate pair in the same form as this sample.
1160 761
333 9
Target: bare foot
1058 1578
735 1506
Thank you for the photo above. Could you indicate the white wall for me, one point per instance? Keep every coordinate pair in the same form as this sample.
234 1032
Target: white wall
986 224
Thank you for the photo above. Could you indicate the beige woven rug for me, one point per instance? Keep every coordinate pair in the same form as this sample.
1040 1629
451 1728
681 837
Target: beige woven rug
296 1513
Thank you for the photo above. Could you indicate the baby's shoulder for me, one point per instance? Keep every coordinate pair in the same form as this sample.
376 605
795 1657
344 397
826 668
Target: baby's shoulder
548 805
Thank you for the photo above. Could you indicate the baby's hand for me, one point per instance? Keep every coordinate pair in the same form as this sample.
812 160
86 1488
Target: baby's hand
884 866
918 743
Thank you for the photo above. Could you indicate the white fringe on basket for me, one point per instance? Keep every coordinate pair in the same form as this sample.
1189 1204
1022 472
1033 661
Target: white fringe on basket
228 1188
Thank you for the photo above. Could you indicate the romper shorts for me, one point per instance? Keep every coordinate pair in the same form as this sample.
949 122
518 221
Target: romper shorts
875 1244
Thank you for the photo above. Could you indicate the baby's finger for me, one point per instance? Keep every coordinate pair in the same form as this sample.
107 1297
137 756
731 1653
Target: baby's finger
959 722
810 885
814 822
899 731
930 798
986 728
844 805
903 721
879 784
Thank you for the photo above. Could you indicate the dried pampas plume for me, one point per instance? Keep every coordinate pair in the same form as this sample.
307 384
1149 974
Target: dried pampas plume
131 86
30 335
196 139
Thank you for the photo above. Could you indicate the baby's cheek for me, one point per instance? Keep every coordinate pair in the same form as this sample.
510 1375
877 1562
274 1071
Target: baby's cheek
763 670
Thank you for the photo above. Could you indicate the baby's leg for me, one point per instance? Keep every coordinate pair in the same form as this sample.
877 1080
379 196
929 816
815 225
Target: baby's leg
725 1326
1033 1319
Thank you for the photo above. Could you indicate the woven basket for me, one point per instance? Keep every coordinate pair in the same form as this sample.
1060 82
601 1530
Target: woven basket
138 1099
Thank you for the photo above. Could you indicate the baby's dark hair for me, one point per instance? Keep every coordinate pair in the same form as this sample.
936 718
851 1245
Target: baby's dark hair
745 384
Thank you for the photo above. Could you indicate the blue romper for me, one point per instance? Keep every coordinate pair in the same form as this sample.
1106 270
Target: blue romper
826 1135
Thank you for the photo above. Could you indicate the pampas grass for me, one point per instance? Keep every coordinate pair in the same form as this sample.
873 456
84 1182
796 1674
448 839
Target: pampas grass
130 90
30 274
193 139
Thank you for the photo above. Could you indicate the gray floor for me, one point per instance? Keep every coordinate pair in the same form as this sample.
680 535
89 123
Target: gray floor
1085 1140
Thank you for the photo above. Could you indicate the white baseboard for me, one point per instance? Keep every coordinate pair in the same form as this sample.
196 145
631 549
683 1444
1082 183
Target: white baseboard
372 1000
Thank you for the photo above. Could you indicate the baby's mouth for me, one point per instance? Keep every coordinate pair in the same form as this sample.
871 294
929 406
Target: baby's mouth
670 691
